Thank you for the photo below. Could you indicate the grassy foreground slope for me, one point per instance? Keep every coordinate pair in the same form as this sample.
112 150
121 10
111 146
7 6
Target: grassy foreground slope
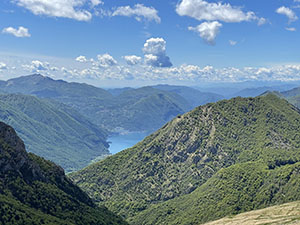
188 151
36 191
239 188
284 214
53 130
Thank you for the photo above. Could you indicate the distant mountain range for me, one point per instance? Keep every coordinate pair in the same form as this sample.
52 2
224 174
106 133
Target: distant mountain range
116 110
193 96
224 157
36 191
219 159
247 89
53 130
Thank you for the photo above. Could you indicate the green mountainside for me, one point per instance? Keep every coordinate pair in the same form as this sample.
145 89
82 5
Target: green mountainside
236 189
35 191
119 110
293 96
54 130
193 96
142 109
219 159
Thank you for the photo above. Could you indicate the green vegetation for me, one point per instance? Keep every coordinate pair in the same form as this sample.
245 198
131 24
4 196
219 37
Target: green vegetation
222 158
53 130
193 96
239 188
36 191
293 96
142 109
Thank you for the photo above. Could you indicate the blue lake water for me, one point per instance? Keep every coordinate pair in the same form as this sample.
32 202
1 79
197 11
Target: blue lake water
121 142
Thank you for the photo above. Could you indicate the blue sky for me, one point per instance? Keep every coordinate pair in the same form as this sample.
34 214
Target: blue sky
141 42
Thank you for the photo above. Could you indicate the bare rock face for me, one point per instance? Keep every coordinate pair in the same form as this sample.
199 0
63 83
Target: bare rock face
15 159
12 149
36 191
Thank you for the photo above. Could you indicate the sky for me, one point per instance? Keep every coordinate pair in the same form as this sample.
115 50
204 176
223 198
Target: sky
131 43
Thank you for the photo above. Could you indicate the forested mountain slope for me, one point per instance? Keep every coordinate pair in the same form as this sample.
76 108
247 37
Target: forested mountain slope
189 157
54 130
36 191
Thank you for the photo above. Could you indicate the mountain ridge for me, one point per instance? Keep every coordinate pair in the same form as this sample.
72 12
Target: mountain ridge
54 130
36 191
117 112
187 152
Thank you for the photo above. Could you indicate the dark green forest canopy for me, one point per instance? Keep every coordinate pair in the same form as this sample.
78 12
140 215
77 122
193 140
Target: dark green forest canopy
36 191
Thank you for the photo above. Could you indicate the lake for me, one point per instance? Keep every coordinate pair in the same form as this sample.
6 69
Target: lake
121 142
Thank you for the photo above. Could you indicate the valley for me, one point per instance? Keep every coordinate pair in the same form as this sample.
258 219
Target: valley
187 172
174 112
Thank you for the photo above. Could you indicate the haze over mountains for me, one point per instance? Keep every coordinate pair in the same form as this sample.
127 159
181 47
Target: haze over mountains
142 109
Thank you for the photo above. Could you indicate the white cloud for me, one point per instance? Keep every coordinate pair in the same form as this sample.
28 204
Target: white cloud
105 60
155 53
20 32
81 59
37 66
261 21
208 31
155 46
57 8
202 10
232 43
287 12
293 29
132 59
141 73
139 11
96 2
3 66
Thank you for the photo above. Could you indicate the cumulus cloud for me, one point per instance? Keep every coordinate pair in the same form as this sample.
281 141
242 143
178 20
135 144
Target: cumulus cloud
3 66
139 11
96 2
57 8
20 32
193 74
132 59
155 53
105 60
287 12
208 31
81 59
37 66
202 10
